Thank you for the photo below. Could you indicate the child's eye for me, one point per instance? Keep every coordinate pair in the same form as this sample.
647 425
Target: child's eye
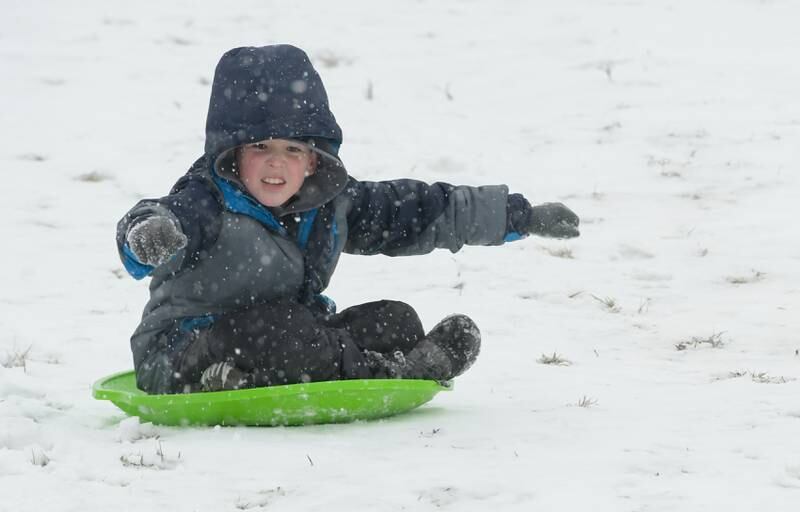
259 146
294 149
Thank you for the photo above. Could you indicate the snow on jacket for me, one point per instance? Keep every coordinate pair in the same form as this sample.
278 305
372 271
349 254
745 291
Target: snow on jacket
240 252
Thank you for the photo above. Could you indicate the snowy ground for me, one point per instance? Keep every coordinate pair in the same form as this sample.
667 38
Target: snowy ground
671 127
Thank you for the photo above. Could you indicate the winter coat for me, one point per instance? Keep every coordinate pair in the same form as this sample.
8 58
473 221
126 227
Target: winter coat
241 253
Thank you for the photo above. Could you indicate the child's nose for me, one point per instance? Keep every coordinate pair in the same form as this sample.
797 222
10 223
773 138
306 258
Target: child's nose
275 158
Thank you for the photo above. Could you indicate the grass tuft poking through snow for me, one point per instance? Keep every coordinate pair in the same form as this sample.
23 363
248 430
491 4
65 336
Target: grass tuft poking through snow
93 177
554 359
765 378
609 303
757 377
714 341
754 277
261 500
155 459
39 457
17 358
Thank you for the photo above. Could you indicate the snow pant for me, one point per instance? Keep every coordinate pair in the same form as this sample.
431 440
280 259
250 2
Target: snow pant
284 342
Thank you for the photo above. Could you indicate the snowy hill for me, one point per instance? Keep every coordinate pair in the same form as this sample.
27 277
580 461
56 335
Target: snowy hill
671 128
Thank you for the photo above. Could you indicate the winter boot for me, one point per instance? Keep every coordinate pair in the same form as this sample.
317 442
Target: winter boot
446 352
224 377
457 338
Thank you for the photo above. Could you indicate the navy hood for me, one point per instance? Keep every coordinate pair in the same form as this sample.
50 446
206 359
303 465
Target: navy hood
274 92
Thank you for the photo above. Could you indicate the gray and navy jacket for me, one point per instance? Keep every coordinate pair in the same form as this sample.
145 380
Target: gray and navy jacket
241 253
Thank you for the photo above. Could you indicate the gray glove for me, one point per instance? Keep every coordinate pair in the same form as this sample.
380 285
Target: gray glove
155 240
554 220
549 219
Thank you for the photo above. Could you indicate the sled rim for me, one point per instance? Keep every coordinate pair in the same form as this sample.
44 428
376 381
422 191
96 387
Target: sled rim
290 404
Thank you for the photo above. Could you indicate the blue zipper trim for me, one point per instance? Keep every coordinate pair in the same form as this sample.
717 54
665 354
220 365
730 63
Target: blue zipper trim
304 231
335 239
237 202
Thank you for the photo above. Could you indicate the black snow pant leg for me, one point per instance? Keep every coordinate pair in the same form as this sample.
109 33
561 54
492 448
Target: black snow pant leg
384 326
282 342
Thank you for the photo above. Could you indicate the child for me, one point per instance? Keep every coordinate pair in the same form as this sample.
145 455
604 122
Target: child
243 246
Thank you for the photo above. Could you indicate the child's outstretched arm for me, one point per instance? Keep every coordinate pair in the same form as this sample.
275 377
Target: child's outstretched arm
405 217
169 231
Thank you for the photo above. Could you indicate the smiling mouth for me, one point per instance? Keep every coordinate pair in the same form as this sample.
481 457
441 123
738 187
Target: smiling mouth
273 181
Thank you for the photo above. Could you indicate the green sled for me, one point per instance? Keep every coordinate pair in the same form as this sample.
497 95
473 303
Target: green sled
338 401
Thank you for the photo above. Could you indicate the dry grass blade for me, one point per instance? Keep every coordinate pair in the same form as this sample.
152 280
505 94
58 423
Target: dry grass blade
610 303
554 359
17 359
714 341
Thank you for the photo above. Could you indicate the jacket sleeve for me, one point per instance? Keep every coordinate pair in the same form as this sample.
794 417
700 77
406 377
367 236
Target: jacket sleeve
194 203
406 217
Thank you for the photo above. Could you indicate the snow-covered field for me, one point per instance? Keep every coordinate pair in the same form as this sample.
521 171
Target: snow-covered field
672 128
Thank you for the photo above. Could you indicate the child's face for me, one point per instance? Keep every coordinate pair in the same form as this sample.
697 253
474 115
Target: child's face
274 170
